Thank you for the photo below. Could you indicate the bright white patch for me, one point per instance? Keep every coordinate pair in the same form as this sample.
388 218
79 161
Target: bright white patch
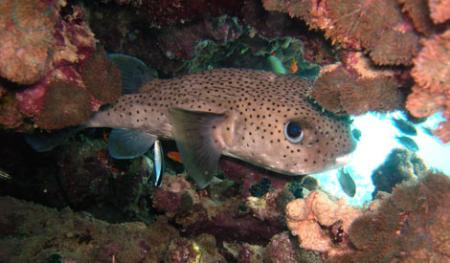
376 142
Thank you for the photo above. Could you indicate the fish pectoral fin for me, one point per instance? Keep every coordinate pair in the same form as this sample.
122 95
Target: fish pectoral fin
128 143
193 133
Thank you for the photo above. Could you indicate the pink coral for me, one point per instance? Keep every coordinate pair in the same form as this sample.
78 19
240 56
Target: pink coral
307 217
432 75
440 10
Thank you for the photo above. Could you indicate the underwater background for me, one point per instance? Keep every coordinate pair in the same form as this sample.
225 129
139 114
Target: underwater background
74 192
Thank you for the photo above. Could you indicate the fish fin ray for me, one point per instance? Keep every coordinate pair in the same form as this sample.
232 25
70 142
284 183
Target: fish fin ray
46 142
193 134
128 143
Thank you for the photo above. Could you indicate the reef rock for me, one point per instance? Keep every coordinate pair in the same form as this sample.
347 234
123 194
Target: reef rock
400 165
44 235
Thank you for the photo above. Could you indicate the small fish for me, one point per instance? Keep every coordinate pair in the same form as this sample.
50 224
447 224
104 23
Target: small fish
175 156
346 181
293 68
4 175
356 134
255 116
404 126
277 65
158 163
409 143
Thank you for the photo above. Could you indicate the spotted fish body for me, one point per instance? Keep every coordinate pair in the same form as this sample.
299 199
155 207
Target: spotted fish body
238 113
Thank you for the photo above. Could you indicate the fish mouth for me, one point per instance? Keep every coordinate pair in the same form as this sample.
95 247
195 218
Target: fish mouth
344 159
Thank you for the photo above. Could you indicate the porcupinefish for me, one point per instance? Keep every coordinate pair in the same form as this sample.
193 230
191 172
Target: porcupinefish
256 116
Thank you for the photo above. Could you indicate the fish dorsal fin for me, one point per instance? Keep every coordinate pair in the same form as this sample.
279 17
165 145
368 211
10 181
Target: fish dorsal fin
193 133
134 72
129 144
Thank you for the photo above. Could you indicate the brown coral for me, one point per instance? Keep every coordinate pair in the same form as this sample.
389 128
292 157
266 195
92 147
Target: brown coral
101 77
432 75
440 10
419 13
64 105
377 26
340 90
412 225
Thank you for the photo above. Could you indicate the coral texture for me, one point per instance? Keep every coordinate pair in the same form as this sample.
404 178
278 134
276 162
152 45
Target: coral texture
355 88
27 37
320 223
44 233
377 26
400 165
412 225
431 73
440 10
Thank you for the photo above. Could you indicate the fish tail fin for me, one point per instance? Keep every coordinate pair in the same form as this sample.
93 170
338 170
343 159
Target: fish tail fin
44 142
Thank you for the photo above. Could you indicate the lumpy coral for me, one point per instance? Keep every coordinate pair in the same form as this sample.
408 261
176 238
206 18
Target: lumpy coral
27 37
320 223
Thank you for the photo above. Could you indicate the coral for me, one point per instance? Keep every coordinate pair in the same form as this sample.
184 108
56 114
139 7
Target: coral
265 207
355 88
418 11
63 80
27 37
320 223
412 225
245 253
377 26
199 250
10 116
400 165
281 250
101 77
440 10
63 105
44 233
432 75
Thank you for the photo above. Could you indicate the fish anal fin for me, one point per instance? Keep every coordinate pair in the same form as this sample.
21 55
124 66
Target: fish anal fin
194 134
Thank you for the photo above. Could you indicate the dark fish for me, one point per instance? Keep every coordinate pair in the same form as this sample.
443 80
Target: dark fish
356 134
404 126
346 181
409 143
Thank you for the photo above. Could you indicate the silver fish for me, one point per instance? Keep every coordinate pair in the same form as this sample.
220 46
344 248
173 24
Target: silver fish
255 116
4 175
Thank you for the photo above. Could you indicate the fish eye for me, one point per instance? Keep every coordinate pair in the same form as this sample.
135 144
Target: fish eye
293 132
